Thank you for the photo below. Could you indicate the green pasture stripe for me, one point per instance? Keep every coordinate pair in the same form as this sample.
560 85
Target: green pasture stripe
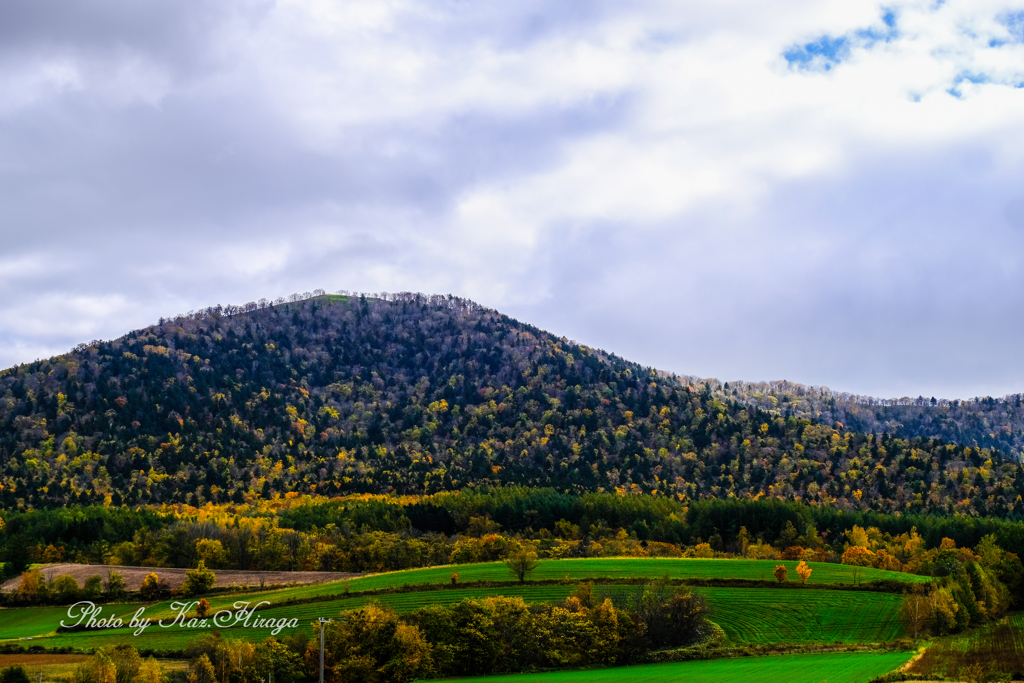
814 668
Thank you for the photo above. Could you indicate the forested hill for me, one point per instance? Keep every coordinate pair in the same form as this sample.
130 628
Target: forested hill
412 394
996 423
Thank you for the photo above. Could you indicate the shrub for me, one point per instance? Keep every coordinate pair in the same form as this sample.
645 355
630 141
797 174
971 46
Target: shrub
780 573
64 589
199 580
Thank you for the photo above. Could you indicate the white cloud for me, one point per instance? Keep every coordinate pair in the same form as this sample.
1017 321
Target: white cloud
656 178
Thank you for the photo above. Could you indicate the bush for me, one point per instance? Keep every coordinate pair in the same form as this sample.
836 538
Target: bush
199 580
64 589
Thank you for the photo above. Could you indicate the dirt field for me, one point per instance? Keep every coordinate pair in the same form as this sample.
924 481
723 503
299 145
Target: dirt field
133 576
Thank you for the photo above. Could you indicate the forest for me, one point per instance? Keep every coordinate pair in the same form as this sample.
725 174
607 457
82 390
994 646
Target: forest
410 394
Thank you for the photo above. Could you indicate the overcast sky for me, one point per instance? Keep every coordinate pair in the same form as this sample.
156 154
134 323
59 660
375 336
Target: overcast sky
830 192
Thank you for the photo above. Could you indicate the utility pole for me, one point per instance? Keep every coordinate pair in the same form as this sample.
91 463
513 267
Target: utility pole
323 627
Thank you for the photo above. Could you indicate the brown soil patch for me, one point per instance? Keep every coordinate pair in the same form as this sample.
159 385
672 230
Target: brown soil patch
133 576
40 660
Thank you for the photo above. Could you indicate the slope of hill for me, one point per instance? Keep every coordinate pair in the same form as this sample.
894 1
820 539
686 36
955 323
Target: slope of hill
987 422
416 394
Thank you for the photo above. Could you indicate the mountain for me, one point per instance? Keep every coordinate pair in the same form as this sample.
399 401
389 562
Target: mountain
417 394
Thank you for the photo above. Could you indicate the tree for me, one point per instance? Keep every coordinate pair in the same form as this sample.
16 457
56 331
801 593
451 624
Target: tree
64 589
97 669
116 586
93 588
151 672
150 587
371 644
126 662
199 580
804 571
201 671
211 552
916 612
202 608
273 657
780 573
14 674
521 563
858 556
32 586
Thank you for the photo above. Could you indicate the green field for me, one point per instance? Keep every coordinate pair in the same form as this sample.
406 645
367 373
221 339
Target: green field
747 615
630 567
826 668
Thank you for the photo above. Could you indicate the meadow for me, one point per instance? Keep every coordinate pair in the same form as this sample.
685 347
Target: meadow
812 668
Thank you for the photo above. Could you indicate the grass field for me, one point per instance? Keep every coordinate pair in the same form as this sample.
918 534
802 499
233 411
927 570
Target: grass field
747 615
825 668
623 568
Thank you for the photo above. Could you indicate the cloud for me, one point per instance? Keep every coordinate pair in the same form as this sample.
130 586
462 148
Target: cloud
822 191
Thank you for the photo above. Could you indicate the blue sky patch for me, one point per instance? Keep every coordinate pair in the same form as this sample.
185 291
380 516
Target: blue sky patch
1014 24
965 77
827 51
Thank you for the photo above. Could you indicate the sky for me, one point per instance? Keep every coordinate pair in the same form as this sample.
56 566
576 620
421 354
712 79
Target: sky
828 192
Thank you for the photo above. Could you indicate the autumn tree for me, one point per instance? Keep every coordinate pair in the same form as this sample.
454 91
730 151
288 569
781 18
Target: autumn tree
780 573
858 556
201 670
32 586
803 570
150 587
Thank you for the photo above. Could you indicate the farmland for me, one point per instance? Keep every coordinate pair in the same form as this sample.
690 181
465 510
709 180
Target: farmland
816 668
133 576
754 615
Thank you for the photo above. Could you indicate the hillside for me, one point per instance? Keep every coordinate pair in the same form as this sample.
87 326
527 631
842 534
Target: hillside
416 394
987 422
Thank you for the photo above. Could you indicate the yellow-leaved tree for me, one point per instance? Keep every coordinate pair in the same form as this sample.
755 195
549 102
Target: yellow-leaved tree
803 571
